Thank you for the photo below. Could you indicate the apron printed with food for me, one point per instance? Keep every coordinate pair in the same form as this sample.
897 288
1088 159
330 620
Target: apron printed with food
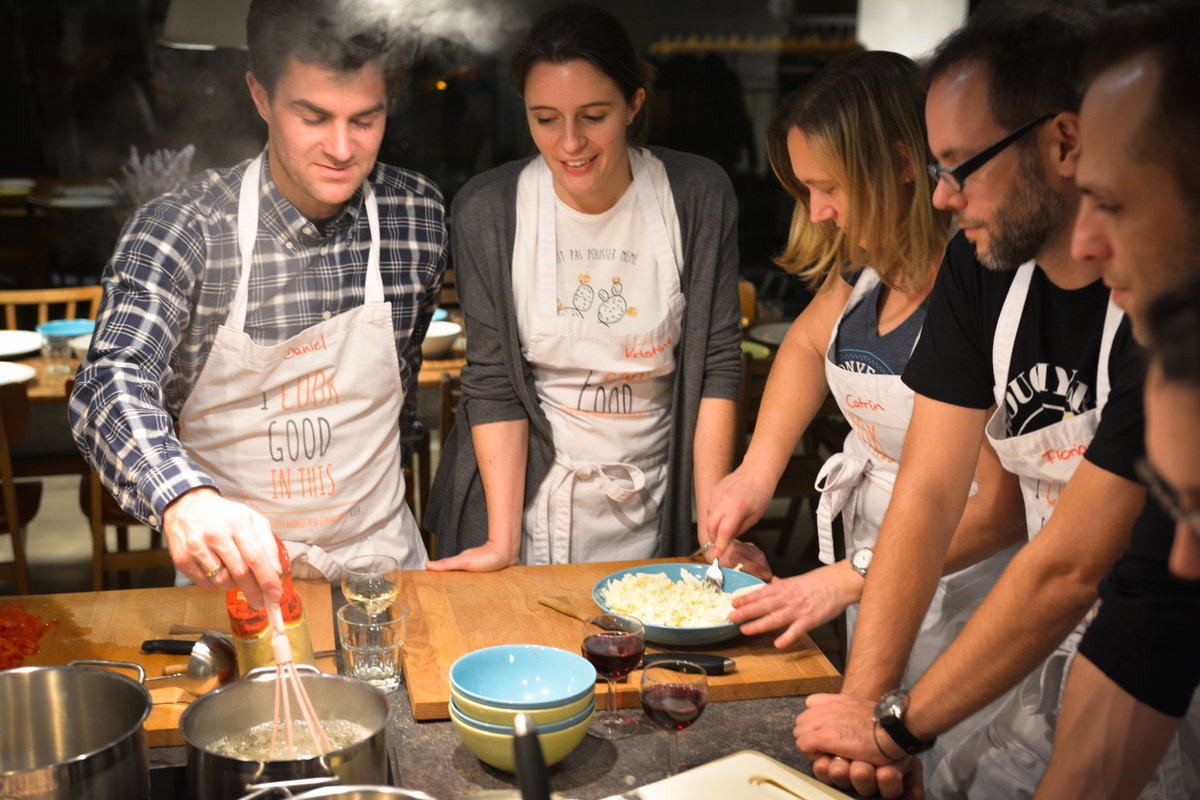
609 406
306 432
1007 758
858 484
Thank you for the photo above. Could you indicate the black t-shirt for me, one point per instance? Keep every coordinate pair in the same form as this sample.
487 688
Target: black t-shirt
1052 372
1146 637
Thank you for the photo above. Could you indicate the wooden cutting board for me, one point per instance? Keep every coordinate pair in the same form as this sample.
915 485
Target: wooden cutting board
112 625
453 613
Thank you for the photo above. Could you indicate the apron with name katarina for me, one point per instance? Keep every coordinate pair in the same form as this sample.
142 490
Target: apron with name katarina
609 406
858 484
1007 759
306 432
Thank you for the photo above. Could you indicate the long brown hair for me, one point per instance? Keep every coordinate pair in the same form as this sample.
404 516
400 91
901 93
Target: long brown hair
857 114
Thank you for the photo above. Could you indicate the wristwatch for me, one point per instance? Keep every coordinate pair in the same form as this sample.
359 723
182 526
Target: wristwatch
860 559
889 714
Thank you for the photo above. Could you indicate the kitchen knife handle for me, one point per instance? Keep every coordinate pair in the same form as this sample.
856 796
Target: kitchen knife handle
176 647
713 665
530 763
564 608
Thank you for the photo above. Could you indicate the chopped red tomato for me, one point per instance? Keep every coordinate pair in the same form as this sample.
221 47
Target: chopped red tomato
19 635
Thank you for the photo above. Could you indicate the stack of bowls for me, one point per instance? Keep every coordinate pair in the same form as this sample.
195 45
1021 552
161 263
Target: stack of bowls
489 687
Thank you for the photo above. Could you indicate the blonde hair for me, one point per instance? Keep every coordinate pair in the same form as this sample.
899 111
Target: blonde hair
857 114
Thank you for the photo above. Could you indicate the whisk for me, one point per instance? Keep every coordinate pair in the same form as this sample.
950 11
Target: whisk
288 683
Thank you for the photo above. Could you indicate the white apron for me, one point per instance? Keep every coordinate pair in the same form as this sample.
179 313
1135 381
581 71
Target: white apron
858 484
307 431
1007 758
601 498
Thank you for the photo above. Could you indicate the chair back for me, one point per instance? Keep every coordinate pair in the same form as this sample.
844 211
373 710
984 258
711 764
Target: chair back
68 299
750 393
14 424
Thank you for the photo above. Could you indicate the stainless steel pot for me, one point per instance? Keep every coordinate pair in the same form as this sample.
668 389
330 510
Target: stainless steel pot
250 702
70 732
359 793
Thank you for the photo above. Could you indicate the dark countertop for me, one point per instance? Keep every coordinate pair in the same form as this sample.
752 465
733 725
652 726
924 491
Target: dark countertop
432 758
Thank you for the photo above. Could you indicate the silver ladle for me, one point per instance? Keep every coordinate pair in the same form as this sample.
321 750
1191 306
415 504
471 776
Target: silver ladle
212 663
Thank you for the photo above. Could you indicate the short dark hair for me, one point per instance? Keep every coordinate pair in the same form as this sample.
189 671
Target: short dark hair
1173 332
1168 32
315 32
580 31
1032 51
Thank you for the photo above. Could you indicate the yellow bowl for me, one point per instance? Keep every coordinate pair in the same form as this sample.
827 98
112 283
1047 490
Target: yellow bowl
496 749
504 716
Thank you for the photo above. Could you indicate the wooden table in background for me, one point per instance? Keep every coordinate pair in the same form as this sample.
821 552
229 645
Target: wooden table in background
112 625
49 387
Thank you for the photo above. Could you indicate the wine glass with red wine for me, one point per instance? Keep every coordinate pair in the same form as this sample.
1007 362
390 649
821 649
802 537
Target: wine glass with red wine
614 644
674 693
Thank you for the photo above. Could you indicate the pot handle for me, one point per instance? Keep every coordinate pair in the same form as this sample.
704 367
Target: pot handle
284 787
94 662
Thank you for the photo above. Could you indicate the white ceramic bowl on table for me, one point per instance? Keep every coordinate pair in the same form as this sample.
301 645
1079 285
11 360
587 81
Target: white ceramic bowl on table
439 338
663 634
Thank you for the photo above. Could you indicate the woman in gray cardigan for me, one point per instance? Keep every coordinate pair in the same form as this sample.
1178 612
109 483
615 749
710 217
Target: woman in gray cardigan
598 285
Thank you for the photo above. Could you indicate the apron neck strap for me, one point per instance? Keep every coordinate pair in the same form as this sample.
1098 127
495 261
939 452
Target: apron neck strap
247 226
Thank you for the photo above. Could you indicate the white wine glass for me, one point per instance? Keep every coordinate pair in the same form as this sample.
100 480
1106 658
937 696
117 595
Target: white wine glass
371 581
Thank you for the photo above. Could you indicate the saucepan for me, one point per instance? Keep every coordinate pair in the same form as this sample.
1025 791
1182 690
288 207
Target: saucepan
250 702
70 732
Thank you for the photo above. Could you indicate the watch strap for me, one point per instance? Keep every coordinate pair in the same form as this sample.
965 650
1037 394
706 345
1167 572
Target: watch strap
889 713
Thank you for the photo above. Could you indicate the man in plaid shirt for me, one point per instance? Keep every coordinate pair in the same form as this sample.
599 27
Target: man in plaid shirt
273 312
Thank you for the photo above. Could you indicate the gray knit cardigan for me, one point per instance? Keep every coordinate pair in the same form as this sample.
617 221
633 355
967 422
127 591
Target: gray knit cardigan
498 383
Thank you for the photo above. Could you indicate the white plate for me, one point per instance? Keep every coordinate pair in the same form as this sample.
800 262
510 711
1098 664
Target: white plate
80 344
771 333
19 343
15 373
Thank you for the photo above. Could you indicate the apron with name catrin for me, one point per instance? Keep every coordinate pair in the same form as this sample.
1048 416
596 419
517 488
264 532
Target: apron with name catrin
858 484
1007 758
306 432
611 414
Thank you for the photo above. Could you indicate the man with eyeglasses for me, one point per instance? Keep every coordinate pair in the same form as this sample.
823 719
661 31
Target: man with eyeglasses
1130 700
1016 321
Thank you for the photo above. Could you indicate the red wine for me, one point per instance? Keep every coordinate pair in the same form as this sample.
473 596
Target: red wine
673 708
613 656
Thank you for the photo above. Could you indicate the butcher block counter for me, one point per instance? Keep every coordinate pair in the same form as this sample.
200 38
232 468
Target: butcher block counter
112 626
452 613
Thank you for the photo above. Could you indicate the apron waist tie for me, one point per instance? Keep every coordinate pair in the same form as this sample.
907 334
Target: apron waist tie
555 549
311 561
837 482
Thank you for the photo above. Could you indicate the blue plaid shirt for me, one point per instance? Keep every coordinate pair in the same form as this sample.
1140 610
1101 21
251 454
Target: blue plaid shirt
168 287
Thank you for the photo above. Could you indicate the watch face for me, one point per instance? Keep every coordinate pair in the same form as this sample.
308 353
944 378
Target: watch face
861 559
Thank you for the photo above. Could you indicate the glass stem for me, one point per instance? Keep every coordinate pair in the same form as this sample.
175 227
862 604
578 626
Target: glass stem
672 754
610 702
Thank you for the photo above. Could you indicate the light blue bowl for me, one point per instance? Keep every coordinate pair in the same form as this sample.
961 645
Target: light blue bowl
549 727
522 676
440 314
66 327
660 634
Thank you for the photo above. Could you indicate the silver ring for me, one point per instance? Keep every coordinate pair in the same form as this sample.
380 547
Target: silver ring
212 573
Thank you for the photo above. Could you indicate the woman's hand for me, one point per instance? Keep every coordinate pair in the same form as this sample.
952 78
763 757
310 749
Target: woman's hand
488 557
738 501
798 604
752 559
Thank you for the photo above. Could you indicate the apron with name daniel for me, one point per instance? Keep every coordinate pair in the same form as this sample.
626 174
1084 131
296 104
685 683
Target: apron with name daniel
307 432
858 484
1007 758
601 498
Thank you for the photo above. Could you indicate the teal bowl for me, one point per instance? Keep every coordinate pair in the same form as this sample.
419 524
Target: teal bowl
523 676
661 634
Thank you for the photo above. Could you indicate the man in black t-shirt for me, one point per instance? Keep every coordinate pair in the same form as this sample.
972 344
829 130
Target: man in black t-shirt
1040 340
1139 662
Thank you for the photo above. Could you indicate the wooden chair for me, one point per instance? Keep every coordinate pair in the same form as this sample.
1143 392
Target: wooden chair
67 299
450 393
102 512
20 501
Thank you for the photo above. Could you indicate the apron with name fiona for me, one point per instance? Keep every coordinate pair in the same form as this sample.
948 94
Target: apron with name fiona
1007 758
611 417
858 484
306 432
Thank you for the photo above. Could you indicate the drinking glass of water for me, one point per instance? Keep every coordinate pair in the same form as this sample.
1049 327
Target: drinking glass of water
373 643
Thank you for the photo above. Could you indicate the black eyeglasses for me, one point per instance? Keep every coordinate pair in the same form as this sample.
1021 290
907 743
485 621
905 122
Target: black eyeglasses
957 176
1167 497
